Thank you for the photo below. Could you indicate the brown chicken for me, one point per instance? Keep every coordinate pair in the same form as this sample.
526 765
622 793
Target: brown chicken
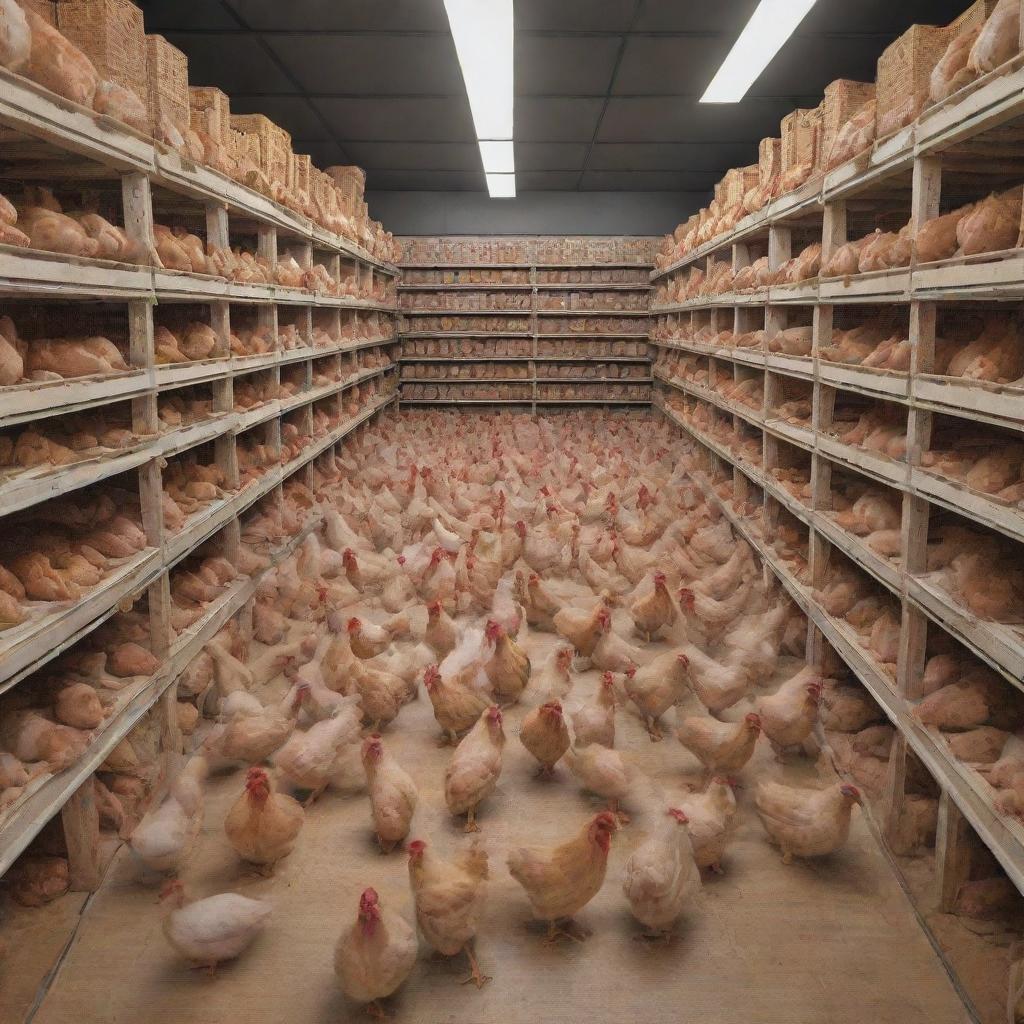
546 736
653 611
263 825
508 668
722 747
457 707
654 688
560 882
789 716
475 767
582 629
441 635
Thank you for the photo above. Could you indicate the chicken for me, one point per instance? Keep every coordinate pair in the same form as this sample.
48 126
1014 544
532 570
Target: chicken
716 686
554 681
393 794
314 759
508 668
209 931
473 771
449 896
661 877
653 611
656 687
442 635
254 737
540 607
806 822
611 652
369 640
581 628
723 748
166 836
788 717
375 954
262 825
710 817
456 706
603 771
595 723
561 881
546 736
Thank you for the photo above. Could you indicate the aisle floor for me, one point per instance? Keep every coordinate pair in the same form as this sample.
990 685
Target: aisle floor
828 942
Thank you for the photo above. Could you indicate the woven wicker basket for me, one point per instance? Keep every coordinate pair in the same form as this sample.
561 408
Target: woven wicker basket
738 182
974 17
904 73
302 164
210 112
351 182
843 99
111 34
769 159
275 144
167 73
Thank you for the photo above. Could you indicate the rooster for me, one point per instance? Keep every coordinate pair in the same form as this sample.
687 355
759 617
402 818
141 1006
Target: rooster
722 747
656 687
475 767
456 706
546 736
262 825
448 897
806 822
661 877
560 882
392 792
375 954
653 611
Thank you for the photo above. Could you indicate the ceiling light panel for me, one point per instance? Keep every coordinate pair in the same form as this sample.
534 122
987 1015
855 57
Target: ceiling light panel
501 186
771 24
483 34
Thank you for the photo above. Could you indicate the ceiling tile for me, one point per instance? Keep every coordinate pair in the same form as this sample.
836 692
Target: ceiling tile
670 156
556 120
293 113
647 181
546 181
550 156
350 16
575 15
248 69
325 152
408 156
180 14
399 65
669 65
437 181
728 16
565 65
806 64
878 16
390 119
660 120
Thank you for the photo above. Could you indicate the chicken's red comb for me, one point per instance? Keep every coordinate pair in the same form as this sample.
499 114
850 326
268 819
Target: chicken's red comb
416 848
353 624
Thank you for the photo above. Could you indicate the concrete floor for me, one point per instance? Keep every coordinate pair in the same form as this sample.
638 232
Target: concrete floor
828 942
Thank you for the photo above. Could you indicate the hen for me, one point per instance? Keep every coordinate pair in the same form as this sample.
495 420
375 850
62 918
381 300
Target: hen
508 668
806 822
262 825
165 837
661 877
710 815
561 881
475 767
449 896
603 771
595 722
581 628
546 736
393 794
375 955
653 611
788 717
654 688
723 748
456 706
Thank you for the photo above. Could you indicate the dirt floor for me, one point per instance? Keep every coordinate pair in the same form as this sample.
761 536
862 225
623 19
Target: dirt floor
824 942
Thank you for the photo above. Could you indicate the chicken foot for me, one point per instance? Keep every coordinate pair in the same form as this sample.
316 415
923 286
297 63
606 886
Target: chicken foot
376 1011
621 816
314 795
476 975
471 825
653 729
566 929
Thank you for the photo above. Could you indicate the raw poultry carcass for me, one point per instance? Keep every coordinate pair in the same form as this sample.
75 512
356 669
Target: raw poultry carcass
263 825
209 931
473 771
393 794
661 877
375 954
449 897
560 882
806 822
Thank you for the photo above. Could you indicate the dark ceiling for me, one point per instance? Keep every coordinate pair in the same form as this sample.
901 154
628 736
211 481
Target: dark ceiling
606 90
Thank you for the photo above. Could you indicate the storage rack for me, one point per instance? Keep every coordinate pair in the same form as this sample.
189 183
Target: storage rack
532 272
55 143
907 167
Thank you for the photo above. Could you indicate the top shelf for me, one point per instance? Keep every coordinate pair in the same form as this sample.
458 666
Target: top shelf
35 111
989 102
642 264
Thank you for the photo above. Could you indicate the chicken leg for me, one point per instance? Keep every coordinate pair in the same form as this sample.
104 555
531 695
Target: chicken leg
567 928
476 975
471 825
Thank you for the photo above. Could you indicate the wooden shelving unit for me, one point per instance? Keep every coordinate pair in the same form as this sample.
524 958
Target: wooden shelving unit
339 343
537 282
742 444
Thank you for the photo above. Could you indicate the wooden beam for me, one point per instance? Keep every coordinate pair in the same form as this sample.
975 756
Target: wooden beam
952 853
81 821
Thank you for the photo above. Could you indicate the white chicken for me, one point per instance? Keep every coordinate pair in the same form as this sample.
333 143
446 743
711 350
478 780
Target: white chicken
166 836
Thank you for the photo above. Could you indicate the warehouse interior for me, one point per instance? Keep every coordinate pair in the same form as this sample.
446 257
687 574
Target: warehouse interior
511 507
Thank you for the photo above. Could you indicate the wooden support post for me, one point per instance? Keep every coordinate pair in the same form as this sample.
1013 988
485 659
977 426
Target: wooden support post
927 191
895 793
910 659
819 552
740 256
81 821
821 482
821 328
171 741
217 230
780 245
266 243
823 407
137 199
151 499
815 651
158 596
833 233
952 853
776 319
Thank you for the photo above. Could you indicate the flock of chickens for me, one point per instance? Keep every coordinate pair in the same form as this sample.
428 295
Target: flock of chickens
450 544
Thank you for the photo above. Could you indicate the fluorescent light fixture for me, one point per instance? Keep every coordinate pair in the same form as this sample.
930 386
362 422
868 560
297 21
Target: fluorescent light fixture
483 34
498 157
501 186
769 27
